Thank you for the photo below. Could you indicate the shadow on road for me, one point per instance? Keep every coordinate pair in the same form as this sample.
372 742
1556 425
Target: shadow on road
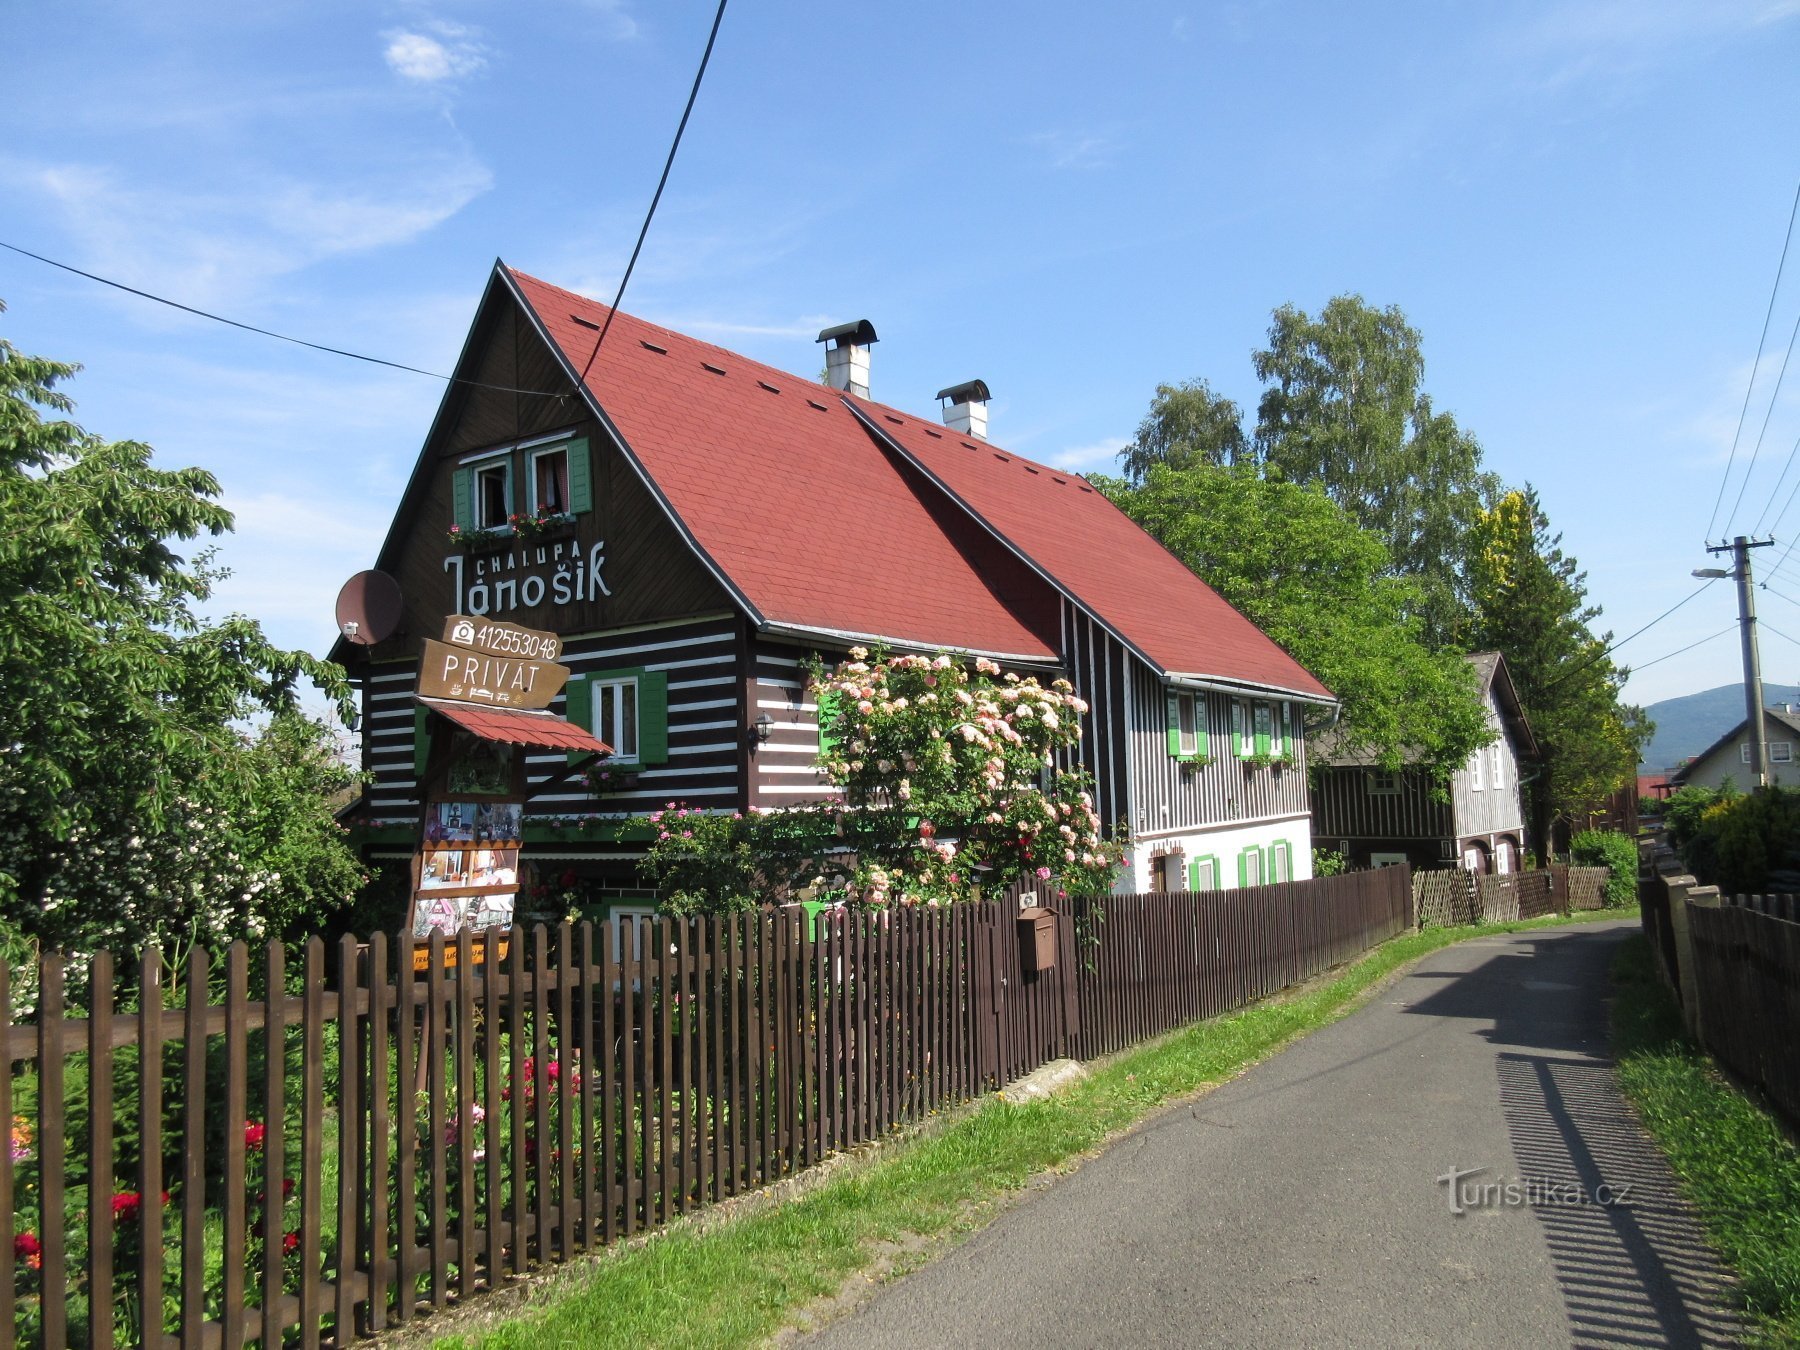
1631 1264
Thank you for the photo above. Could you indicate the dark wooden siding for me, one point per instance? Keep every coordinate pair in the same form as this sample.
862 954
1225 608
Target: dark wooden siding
1168 796
1097 664
706 717
783 773
1345 809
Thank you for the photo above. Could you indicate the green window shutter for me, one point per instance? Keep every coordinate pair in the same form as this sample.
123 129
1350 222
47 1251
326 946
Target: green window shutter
827 714
581 477
653 717
421 741
463 512
1237 728
1263 718
1173 707
1244 868
1193 874
578 698
1201 741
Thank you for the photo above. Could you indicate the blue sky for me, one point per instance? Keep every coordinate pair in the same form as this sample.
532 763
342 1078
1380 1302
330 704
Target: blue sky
1580 205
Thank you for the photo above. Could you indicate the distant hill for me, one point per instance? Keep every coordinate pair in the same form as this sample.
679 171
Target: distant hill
1687 725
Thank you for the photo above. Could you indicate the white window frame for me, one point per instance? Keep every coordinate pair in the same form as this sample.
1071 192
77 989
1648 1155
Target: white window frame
1208 877
1786 749
1244 725
1252 851
1744 752
1284 730
1475 775
531 475
1188 712
504 466
1499 765
1281 861
611 734
1383 783
1257 714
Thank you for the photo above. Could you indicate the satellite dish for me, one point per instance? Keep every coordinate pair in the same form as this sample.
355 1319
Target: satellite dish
368 608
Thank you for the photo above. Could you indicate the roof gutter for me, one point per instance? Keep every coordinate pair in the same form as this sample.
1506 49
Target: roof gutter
806 631
1238 687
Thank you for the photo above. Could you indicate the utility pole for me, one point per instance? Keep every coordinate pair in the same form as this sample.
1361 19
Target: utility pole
1740 548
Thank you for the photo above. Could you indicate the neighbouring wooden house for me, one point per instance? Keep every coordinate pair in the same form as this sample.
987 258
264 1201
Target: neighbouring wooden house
1728 758
701 525
1377 817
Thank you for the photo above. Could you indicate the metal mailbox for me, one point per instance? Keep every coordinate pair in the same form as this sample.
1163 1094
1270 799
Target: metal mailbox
1037 939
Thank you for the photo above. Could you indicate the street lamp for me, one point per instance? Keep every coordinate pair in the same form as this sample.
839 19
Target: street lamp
1710 573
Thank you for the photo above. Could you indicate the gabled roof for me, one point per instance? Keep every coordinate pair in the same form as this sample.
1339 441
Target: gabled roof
1496 678
839 515
1770 715
780 490
1097 556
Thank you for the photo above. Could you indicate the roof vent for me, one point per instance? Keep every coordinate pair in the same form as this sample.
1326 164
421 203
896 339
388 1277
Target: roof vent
847 358
965 407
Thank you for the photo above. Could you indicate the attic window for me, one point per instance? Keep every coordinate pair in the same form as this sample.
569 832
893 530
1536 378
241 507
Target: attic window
935 435
969 445
1031 468
1084 487
652 347
766 385
1055 479
1004 459
550 481
895 420
585 323
707 365
493 495
814 403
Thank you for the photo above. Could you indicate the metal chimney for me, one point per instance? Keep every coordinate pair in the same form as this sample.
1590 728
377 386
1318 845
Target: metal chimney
847 358
965 407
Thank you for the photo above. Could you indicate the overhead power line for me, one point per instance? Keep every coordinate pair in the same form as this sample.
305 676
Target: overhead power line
661 183
270 333
1760 342
1645 665
1755 450
1766 626
1605 652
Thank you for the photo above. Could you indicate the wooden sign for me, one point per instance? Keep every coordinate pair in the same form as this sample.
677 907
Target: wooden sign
501 639
472 676
477 954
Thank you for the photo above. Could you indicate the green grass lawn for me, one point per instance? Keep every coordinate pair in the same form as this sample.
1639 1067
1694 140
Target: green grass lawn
1737 1168
739 1281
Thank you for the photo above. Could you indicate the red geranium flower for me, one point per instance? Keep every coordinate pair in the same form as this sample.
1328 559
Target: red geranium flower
127 1205
253 1135
290 1242
28 1249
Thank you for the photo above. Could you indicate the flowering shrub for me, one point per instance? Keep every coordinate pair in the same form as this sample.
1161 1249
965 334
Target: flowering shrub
950 790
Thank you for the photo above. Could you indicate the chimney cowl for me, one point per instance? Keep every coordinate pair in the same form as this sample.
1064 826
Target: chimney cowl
965 407
847 358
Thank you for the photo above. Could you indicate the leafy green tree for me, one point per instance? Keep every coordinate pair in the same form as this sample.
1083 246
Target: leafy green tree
1321 586
1188 424
1531 606
133 804
1343 409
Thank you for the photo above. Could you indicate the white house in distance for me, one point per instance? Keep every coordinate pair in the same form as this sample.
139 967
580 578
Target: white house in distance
701 524
1729 756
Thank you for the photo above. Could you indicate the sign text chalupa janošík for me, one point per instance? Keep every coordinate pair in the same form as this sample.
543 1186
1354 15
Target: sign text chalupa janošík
497 664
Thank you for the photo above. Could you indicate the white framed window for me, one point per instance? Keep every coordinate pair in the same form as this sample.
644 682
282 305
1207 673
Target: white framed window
1187 724
1781 752
1174 872
1242 729
1499 757
1250 866
1475 777
1285 730
1744 752
1281 866
549 480
493 495
1382 783
1204 874
1265 729
616 717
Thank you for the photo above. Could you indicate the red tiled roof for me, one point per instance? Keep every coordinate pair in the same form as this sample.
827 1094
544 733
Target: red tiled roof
516 726
1099 556
782 489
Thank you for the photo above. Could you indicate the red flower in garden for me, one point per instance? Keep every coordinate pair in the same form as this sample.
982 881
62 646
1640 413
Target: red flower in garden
127 1205
290 1242
28 1249
253 1135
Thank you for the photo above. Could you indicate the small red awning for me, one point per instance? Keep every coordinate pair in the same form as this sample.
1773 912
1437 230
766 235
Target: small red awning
517 726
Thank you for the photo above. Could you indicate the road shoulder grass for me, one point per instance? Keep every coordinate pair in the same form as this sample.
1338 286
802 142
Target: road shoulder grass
1737 1168
744 1280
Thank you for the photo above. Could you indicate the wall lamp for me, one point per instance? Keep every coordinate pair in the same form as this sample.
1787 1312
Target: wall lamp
759 732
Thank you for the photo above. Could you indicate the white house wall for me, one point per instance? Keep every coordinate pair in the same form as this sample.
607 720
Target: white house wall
1226 843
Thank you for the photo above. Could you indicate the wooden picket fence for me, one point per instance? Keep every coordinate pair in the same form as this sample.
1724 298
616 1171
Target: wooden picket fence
1746 978
307 1156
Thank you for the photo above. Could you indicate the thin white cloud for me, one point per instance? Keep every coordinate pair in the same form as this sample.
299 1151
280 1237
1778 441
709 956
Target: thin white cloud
1073 149
446 52
205 248
1099 457
1579 40
616 21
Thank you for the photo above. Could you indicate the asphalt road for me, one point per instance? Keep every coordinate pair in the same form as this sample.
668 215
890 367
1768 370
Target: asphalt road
1305 1203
